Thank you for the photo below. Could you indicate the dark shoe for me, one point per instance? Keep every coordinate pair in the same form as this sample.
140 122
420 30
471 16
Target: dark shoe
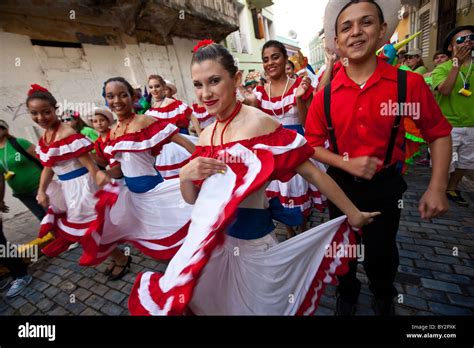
110 268
455 196
122 272
384 308
344 308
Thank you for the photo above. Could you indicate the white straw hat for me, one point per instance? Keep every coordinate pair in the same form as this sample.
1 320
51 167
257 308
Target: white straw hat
389 9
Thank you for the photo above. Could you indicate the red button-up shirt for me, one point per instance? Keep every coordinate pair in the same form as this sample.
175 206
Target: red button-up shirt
363 118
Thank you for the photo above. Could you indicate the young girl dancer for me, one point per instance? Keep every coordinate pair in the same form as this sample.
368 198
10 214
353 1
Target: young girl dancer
287 101
147 211
173 157
70 201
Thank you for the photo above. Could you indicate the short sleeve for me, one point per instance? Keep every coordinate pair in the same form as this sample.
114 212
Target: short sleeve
440 74
25 144
315 128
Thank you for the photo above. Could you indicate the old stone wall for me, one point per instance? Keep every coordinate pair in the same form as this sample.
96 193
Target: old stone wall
75 76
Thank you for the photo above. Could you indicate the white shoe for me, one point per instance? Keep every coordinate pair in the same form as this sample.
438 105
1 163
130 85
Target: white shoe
73 246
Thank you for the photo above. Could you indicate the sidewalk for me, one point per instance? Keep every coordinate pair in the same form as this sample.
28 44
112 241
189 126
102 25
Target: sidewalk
431 281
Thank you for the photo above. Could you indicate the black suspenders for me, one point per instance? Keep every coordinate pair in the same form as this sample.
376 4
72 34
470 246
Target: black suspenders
327 112
402 91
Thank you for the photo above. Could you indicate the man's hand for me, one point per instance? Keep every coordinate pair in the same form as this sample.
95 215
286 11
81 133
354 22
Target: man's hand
462 54
433 204
363 167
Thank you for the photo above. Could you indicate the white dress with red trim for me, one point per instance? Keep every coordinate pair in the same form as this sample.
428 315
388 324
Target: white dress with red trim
297 192
173 156
230 262
203 117
177 113
71 197
147 210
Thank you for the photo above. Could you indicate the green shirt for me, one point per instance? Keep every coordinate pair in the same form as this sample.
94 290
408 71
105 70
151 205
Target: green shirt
458 109
421 70
27 173
90 133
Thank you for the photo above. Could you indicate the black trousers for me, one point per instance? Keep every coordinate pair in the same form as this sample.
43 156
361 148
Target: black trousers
16 266
29 200
381 258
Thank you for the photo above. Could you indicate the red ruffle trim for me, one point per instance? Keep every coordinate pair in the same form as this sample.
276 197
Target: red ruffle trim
62 239
285 164
106 199
290 91
319 284
146 134
52 160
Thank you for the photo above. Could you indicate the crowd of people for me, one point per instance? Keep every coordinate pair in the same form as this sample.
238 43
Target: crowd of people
200 186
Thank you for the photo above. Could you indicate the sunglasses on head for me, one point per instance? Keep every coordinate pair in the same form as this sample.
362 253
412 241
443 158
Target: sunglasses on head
67 119
461 39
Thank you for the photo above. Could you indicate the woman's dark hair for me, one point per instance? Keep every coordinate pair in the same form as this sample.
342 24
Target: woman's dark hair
130 89
43 96
438 53
278 45
157 77
352 2
218 53
291 64
420 63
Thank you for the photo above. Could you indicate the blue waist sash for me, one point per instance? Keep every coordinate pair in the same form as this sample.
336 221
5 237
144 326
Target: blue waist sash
184 131
255 223
251 223
74 174
142 184
296 127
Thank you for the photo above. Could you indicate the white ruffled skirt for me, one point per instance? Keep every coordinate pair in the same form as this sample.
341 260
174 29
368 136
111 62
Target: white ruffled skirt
172 157
156 221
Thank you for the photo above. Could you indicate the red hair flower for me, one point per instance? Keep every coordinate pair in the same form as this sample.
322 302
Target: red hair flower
202 43
35 88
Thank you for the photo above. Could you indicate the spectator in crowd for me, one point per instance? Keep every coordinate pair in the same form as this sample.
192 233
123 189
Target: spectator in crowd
453 80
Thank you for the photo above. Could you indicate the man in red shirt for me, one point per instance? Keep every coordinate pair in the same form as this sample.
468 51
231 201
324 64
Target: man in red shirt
367 148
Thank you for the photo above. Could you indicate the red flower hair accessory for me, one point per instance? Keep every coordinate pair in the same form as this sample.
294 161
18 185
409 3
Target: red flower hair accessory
35 88
202 43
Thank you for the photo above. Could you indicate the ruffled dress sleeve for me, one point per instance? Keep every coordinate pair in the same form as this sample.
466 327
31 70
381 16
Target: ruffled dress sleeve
68 148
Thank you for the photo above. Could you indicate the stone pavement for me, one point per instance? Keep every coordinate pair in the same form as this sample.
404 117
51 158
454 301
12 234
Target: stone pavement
435 275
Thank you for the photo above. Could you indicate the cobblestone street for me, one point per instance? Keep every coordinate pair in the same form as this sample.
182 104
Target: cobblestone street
435 276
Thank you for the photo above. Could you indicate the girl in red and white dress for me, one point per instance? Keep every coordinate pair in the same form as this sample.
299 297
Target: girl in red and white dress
173 111
287 100
70 200
230 262
203 117
147 211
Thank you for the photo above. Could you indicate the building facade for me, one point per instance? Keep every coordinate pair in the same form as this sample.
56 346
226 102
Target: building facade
316 51
435 19
72 47
256 26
